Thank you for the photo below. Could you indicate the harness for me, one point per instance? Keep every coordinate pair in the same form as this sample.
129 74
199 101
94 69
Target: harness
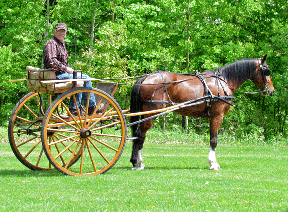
208 97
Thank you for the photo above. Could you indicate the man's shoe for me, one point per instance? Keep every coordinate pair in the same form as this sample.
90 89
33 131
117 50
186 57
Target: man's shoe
75 113
92 109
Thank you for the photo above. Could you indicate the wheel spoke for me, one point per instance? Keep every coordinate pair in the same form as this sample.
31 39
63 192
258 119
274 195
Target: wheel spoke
56 146
107 135
65 149
69 113
78 110
40 155
97 107
31 139
72 155
86 110
33 114
62 140
25 121
65 122
31 150
82 155
63 131
89 150
60 155
103 143
99 151
100 119
105 126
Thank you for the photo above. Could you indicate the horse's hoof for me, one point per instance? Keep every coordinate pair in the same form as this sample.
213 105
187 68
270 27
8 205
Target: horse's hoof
139 167
214 166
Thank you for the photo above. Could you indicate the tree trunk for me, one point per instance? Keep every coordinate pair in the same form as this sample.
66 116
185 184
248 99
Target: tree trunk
188 37
184 122
47 32
93 31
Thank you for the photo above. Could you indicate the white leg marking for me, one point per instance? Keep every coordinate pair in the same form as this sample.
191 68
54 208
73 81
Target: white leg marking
140 164
212 160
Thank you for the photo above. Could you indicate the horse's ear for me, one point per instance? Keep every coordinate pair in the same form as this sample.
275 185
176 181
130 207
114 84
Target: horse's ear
263 59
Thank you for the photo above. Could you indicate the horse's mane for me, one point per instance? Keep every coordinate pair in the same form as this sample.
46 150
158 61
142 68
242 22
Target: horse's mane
241 69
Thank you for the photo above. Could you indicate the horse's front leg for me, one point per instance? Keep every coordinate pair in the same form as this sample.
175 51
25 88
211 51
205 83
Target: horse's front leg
215 123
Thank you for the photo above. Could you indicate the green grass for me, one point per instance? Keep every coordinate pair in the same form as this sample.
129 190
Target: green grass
252 178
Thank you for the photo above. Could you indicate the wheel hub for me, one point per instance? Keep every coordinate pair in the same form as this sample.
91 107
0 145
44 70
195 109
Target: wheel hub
85 133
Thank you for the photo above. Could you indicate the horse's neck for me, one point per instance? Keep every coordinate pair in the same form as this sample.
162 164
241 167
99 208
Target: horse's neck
234 84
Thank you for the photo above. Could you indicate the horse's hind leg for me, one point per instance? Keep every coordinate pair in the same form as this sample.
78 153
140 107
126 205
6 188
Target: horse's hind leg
137 153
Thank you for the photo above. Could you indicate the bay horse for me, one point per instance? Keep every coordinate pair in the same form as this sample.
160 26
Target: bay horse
157 90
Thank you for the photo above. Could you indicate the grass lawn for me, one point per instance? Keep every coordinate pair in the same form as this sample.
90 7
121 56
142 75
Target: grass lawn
252 178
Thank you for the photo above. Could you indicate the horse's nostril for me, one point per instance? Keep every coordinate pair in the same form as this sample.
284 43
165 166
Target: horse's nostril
271 92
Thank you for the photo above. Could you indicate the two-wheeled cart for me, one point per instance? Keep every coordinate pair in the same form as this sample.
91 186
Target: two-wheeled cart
44 134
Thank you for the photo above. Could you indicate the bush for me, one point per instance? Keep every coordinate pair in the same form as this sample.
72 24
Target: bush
10 93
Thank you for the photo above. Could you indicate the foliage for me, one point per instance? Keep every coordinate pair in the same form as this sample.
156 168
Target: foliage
9 69
126 38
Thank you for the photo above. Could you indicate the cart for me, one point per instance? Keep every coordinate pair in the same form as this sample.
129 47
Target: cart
44 135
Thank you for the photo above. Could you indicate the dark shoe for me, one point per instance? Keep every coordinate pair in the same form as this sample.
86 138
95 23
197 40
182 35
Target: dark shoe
92 109
75 113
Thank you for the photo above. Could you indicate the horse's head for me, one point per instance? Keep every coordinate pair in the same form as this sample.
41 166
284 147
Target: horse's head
262 77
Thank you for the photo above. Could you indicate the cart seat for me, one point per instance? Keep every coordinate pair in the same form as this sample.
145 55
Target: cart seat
36 75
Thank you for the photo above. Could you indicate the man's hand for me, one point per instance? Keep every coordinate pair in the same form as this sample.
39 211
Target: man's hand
69 70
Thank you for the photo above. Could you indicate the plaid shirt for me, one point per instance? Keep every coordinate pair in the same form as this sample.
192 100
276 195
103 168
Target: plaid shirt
55 56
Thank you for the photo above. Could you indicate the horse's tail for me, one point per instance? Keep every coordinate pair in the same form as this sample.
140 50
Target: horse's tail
135 104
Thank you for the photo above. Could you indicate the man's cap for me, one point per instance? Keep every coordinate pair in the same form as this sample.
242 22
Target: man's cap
61 26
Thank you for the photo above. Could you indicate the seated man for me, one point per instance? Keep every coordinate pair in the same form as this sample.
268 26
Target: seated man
55 57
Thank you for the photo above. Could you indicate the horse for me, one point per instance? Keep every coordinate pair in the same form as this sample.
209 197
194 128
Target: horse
161 89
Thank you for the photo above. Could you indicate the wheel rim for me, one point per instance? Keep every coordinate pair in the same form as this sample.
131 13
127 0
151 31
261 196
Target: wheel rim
25 131
98 138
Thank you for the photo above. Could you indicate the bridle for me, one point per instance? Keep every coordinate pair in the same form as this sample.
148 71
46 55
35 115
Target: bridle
265 72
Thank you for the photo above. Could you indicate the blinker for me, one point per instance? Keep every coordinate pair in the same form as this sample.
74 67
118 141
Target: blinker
266 72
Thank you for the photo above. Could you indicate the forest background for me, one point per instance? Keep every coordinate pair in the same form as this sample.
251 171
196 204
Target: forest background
127 38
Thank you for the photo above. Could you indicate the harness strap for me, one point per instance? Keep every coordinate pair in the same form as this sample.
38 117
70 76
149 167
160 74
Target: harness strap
207 92
219 82
160 102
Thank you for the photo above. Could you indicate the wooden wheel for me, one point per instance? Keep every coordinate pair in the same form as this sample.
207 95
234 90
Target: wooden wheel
25 130
99 137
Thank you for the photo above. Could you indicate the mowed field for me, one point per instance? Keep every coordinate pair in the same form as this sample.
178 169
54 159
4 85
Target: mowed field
252 178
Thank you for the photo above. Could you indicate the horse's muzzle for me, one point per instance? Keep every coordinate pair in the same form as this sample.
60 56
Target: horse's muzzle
269 92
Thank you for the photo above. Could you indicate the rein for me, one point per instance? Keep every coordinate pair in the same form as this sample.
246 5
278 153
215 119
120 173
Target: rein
184 80
255 92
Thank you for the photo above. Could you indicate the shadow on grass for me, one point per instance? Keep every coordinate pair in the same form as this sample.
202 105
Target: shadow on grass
30 173
164 168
